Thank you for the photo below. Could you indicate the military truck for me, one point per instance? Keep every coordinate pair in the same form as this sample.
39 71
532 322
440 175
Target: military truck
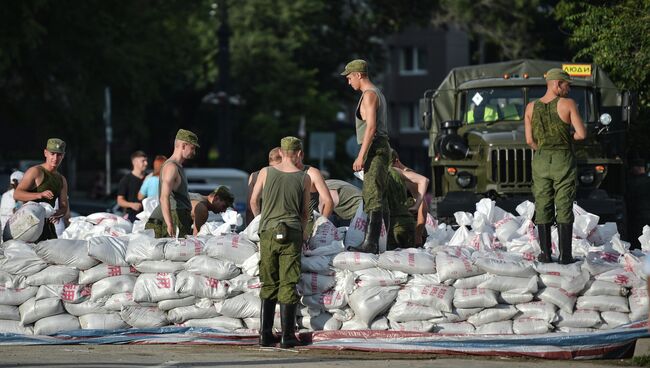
478 147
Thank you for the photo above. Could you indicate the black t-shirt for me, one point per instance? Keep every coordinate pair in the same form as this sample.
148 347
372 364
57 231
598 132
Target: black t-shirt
128 188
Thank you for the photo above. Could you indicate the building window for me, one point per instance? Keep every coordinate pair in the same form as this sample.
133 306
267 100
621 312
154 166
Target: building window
412 61
408 117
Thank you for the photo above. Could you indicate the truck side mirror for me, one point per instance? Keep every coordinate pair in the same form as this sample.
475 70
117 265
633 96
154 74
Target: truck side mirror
426 109
629 106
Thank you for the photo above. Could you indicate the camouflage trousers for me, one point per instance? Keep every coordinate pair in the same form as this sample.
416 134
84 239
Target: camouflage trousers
401 233
554 185
375 175
181 219
280 266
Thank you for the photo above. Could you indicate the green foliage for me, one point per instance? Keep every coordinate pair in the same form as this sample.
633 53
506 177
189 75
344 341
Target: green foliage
641 361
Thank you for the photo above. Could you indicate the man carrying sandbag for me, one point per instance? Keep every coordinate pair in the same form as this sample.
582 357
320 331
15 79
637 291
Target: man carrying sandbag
43 183
174 210
217 201
283 225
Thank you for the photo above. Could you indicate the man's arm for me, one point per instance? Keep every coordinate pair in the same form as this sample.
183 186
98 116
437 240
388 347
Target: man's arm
528 126
257 192
168 179
304 216
200 217
22 192
252 179
323 192
417 184
63 203
421 222
369 104
576 121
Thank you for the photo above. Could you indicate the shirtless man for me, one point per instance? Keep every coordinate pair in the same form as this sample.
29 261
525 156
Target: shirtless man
217 201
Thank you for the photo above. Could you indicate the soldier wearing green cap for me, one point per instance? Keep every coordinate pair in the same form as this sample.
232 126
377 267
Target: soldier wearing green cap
547 124
371 120
283 224
217 201
43 183
174 210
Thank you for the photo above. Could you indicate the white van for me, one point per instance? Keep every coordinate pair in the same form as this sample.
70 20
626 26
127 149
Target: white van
204 181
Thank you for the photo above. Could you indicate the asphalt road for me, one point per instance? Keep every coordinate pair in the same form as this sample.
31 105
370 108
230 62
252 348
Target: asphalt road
106 356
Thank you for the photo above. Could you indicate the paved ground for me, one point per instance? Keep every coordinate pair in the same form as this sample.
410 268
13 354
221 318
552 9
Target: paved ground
224 356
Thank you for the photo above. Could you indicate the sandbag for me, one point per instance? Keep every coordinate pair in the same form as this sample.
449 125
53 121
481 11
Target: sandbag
14 327
379 277
323 233
615 319
201 286
145 248
472 281
313 283
220 322
230 247
322 322
418 326
317 264
355 261
251 231
102 271
9 312
621 277
143 317
26 223
182 314
570 270
603 303
510 284
85 307
514 298
251 265
212 267
54 274
370 302
638 304
20 259
245 305
244 284
55 324
110 220
12 281
457 328
410 260
112 285
439 297
530 326
183 249
11 296
94 321
108 249
457 315
166 305
475 298
559 297
495 328
454 268
403 311
506 267
497 313
538 310
71 293
68 252
580 318
33 310
116 301
598 287
154 287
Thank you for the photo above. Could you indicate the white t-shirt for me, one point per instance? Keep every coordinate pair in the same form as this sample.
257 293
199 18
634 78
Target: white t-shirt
7 206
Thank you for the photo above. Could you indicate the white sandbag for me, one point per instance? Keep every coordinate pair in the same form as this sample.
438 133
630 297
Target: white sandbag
244 284
9 312
457 315
538 310
403 311
557 269
475 298
145 248
457 328
143 317
154 287
584 222
322 322
575 285
530 326
423 279
102 271
550 281
514 298
439 297
221 322
12 281
230 247
94 321
112 285
334 299
439 237
575 330
33 310
453 268
116 301
55 324
27 222
71 293
603 303
598 287
511 284
379 277
110 220
159 266
332 249
166 305
559 297
343 315
598 262
251 231
355 261
370 302
182 314
85 307
183 249
506 228
497 313
323 233
418 326
14 327
251 265
201 286
357 231
472 281
317 264
212 267
638 304
313 283
579 318
410 260
54 274
11 296
621 277
615 319
73 253
245 305
495 328
505 267
20 259
108 249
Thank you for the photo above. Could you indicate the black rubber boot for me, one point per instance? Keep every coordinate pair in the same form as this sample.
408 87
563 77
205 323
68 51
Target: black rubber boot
544 232
288 317
565 232
267 315
371 242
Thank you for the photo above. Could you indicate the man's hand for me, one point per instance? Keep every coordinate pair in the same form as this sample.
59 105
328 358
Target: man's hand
358 164
58 214
47 194
136 206
170 230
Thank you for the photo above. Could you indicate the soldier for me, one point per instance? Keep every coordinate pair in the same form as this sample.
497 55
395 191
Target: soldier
274 159
346 198
547 123
218 201
372 134
43 183
285 189
174 210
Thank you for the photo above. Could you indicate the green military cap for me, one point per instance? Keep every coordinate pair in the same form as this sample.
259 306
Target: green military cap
291 144
354 66
557 74
55 145
225 194
187 136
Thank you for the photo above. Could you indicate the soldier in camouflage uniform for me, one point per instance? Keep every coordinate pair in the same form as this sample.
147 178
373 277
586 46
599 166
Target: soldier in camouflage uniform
371 121
547 123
